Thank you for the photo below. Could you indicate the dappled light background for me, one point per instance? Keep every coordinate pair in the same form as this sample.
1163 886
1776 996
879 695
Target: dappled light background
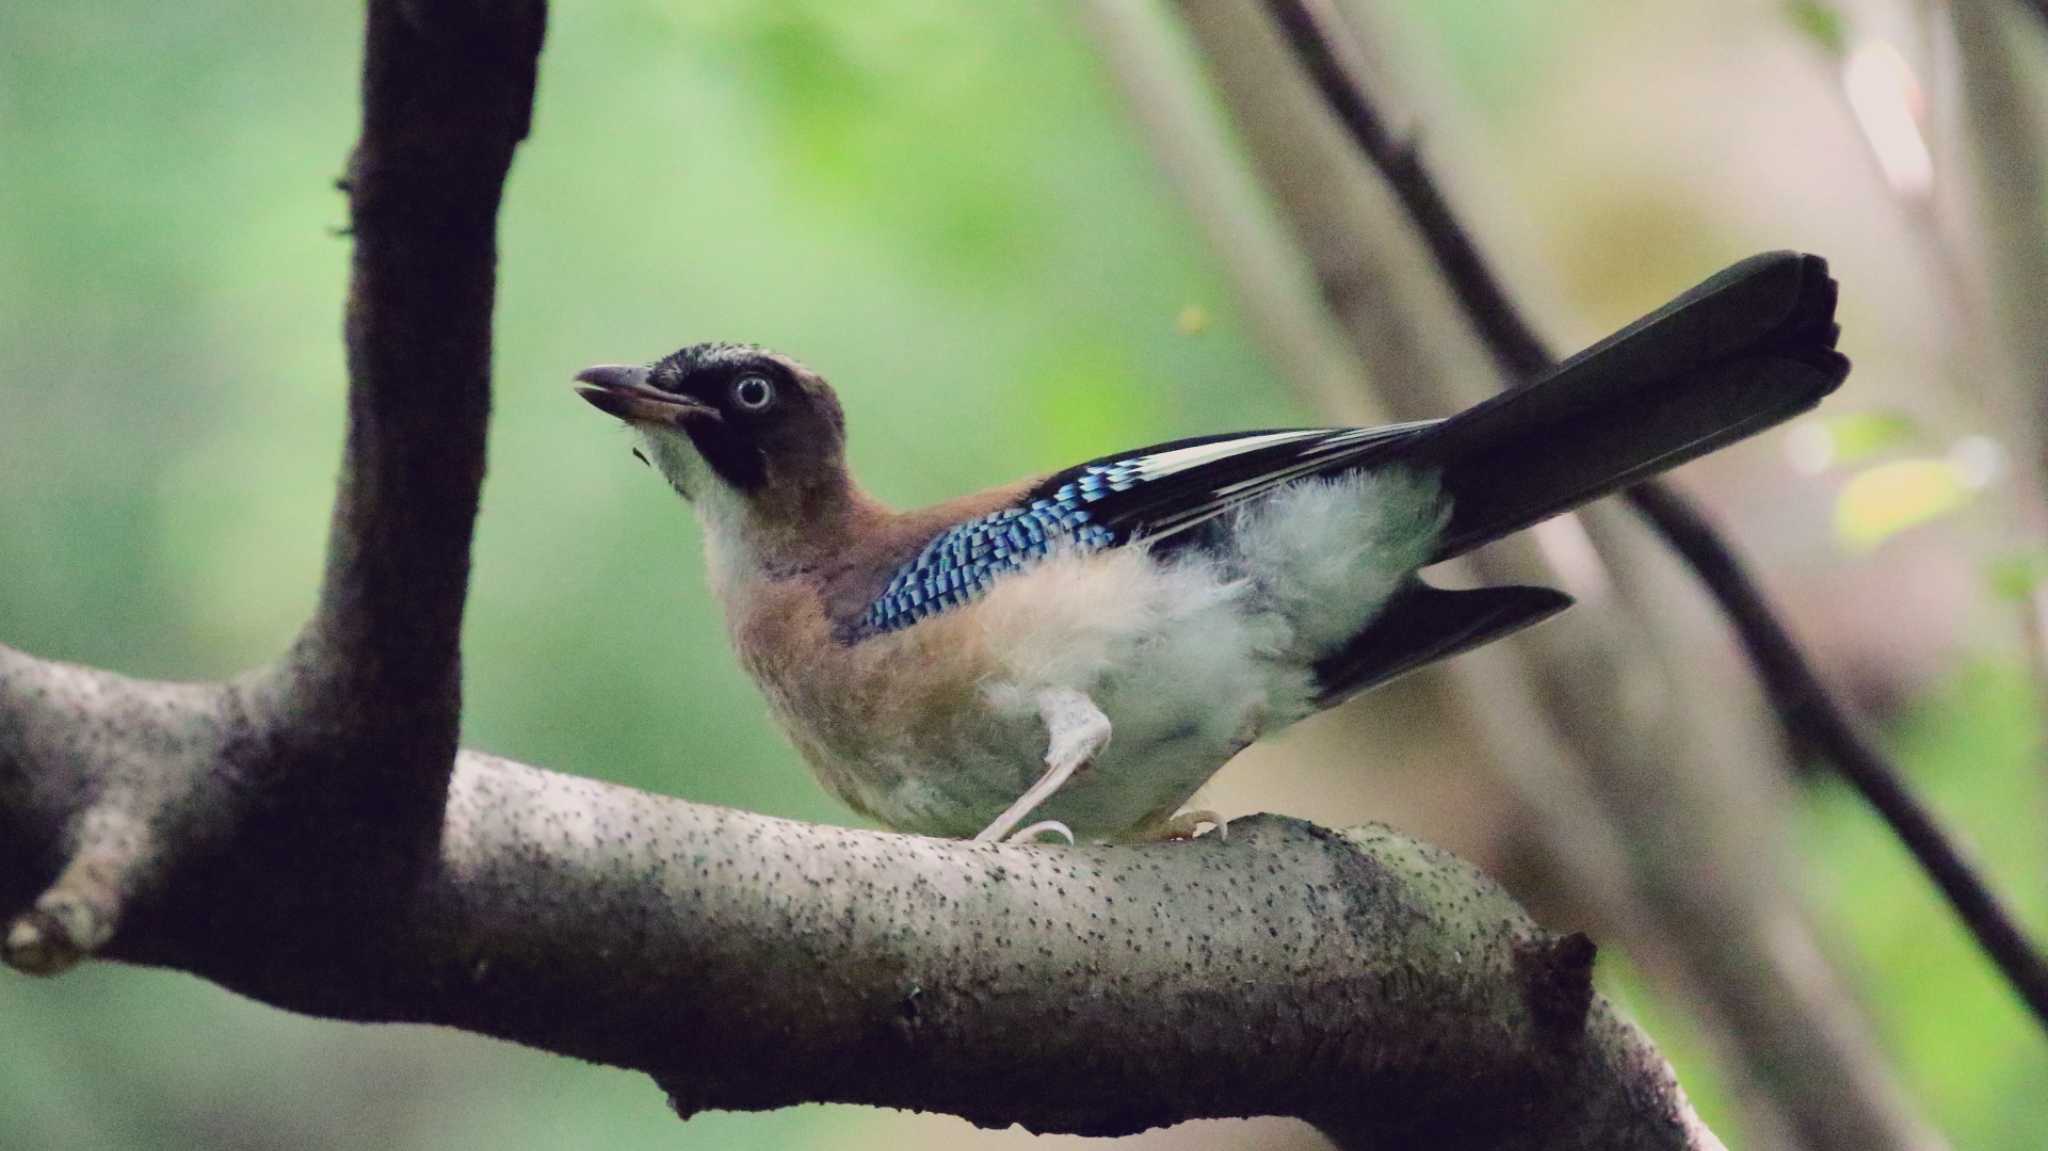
947 209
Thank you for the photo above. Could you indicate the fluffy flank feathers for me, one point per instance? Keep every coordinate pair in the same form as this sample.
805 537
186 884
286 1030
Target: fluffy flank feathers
1326 554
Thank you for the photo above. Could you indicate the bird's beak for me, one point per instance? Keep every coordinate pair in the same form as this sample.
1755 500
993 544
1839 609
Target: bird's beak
622 390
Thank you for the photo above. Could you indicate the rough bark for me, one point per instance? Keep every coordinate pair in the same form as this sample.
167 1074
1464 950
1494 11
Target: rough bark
1360 980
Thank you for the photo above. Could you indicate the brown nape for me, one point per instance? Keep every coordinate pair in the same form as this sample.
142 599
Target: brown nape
811 520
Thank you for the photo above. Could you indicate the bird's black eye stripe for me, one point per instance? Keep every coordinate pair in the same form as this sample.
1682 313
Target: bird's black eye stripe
752 393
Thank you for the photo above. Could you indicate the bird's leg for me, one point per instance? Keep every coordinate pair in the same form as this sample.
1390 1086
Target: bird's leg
1076 732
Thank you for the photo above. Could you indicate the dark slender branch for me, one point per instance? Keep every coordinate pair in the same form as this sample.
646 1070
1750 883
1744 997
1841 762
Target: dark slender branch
447 94
1514 345
1807 710
1808 713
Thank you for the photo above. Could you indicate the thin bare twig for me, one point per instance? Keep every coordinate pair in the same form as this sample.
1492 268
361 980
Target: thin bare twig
1816 717
1809 714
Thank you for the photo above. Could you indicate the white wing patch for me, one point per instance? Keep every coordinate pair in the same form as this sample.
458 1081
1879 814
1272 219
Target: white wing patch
1162 464
1313 457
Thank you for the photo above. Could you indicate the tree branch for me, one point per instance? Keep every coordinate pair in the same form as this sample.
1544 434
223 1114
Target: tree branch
447 96
345 754
309 835
1377 987
1807 711
445 100
1781 664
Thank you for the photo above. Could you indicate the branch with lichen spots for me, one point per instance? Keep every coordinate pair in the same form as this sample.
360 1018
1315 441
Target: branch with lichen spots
1359 980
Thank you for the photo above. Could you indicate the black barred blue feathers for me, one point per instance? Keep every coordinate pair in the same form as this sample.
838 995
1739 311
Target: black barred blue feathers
963 561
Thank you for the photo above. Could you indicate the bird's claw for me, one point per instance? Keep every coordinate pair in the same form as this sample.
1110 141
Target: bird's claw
1031 833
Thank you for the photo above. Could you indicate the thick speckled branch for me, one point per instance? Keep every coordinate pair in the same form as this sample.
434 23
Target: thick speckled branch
310 836
1360 980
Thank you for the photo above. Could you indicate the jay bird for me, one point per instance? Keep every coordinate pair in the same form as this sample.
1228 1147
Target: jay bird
1088 647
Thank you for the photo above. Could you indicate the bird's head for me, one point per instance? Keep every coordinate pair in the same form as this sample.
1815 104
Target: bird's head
733 425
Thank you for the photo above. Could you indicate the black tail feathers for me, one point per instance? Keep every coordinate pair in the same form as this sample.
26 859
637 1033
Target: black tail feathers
1423 624
1750 348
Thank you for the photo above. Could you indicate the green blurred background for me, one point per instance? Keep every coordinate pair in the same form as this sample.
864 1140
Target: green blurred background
946 208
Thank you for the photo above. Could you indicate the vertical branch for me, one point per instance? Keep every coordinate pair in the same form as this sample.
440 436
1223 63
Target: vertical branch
447 96
333 764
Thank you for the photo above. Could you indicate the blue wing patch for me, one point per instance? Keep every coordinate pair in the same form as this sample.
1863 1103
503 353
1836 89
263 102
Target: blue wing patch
962 562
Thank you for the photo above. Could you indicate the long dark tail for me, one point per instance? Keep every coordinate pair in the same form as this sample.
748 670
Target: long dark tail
1744 351
1748 349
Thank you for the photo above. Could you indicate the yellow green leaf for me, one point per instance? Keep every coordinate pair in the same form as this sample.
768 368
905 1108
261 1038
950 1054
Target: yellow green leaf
1884 500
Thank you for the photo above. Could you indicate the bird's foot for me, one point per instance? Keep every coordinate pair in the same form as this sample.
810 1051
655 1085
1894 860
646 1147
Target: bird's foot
1187 825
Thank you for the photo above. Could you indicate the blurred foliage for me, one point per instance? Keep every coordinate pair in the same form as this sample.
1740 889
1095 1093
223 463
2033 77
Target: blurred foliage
1821 23
2020 574
1957 1033
1882 501
941 206
1854 437
1949 1022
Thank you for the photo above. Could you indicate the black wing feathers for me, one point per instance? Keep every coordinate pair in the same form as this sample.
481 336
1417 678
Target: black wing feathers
1159 492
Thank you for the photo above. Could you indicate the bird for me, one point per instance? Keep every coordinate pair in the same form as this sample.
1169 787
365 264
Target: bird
1076 653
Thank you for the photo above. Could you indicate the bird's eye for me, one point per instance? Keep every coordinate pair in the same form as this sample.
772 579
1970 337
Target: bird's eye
753 393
